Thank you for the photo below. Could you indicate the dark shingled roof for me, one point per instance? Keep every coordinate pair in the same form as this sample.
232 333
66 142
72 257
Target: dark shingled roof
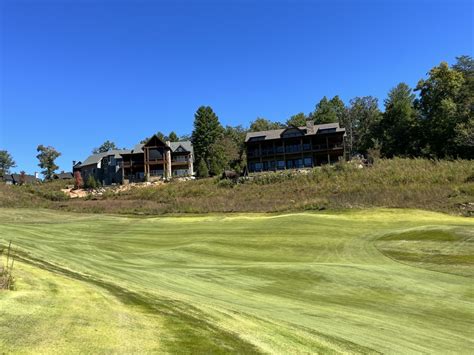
137 149
7 178
276 133
96 158
28 178
63 175
187 145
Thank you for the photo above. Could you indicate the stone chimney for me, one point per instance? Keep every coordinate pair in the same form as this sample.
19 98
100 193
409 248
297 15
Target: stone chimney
310 126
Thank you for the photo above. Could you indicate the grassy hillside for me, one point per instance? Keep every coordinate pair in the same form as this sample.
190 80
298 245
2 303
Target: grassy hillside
361 281
403 183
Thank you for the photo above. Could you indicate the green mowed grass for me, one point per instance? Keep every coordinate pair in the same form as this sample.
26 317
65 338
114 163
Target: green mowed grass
396 281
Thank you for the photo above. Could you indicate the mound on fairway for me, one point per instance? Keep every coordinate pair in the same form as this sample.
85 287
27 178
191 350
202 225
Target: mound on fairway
367 281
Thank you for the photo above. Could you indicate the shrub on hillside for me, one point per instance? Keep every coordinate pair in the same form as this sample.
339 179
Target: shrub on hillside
91 182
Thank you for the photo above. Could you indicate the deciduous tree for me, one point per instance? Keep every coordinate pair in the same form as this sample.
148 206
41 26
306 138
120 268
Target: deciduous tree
441 105
105 147
263 124
234 147
78 182
361 122
46 157
6 162
464 138
297 120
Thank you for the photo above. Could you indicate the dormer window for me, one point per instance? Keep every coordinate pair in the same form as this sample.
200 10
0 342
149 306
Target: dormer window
292 132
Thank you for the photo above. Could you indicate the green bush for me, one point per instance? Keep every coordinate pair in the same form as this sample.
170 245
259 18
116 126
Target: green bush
91 182
226 184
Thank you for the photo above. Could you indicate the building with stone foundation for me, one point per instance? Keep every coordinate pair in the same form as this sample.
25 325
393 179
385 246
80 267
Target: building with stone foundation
153 160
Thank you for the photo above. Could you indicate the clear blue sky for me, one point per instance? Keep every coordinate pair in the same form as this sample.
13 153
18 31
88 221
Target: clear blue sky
77 72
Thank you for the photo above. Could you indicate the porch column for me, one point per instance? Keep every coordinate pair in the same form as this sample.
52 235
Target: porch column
147 163
302 151
168 161
327 150
190 165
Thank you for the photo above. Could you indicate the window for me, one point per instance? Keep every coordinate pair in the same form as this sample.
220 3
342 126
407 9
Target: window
258 166
180 158
253 152
308 162
155 154
256 139
180 149
293 148
267 150
281 164
292 133
156 172
327 130
180 172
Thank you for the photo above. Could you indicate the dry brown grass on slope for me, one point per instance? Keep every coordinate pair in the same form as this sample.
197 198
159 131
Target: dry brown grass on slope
35 195
410 183
405 183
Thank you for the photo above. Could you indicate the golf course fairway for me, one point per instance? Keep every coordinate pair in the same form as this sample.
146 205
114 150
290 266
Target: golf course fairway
368 281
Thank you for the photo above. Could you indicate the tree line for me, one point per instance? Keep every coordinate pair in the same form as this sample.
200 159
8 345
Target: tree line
434 120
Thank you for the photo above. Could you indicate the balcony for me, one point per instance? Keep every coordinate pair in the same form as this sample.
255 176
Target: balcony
179 159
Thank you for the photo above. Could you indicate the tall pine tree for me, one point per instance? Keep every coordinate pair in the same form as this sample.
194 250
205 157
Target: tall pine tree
399 125
328 111
207 131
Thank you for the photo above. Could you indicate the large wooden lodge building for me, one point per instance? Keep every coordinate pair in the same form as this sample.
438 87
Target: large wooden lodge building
295 147
279 149
145 162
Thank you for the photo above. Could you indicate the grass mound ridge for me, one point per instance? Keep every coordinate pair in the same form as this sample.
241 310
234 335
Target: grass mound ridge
449 250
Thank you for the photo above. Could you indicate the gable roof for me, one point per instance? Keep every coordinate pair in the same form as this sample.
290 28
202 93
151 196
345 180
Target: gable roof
155 137
7 178
301 131
96 158
277 133
186 145
63 175
28 178
137 149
